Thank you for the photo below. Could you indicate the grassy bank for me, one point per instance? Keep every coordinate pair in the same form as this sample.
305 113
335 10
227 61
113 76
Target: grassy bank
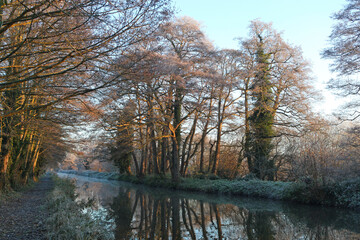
340 194
70 219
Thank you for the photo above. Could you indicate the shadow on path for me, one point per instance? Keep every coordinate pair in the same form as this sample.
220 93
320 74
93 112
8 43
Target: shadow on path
24 217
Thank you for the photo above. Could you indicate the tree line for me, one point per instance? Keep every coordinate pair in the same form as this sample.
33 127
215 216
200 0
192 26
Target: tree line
51 54
167 100
188 108
184 104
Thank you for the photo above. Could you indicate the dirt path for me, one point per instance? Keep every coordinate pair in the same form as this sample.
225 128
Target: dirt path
24 217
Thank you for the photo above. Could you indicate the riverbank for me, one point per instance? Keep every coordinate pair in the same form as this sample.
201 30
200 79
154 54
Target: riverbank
71 219
342 194
22 213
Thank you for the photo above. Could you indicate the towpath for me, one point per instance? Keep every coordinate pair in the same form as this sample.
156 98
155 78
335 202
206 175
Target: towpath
24 217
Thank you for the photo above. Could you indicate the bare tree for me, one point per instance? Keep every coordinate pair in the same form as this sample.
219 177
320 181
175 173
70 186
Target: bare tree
188 44
345 52
226 95
52 52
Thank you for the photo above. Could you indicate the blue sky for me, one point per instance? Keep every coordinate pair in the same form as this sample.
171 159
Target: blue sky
304 23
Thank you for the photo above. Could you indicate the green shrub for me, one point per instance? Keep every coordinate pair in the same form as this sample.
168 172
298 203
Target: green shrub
313 193
348 193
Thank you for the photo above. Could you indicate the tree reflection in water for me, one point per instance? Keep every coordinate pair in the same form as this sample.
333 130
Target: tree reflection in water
123 214
259 226
143 213
146 216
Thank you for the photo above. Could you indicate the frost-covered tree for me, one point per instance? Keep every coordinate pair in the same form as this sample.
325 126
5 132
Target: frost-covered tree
276 90
345 53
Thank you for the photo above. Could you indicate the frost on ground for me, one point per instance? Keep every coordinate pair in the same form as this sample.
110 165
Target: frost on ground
72 219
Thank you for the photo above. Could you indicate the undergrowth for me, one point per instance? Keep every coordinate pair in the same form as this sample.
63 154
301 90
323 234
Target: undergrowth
70 219
12 193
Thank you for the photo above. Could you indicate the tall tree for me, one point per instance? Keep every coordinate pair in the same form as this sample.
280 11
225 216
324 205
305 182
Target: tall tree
121 151
345 52
226 95
276 94
262 118
187 43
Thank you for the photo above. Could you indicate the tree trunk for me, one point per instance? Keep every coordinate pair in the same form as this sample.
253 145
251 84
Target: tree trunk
164 151
177 117
203 137
176 140
137 169
247 143
217 149
175 161
183 154
218 137
153 136
211 156
202 146
191 139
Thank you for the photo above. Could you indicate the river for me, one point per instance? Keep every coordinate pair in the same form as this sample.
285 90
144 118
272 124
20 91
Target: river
139 212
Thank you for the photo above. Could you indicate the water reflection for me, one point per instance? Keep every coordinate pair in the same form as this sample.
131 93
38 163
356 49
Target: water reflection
144 213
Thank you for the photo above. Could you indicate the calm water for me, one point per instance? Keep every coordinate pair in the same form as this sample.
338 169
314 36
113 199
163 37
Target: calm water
144 213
